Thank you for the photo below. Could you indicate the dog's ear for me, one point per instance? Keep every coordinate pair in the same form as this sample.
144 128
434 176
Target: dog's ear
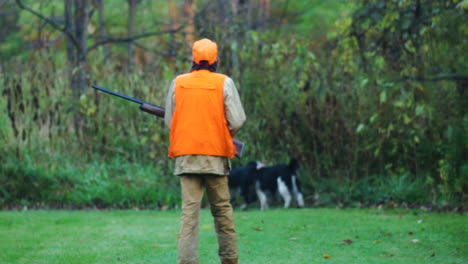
294 164
260 165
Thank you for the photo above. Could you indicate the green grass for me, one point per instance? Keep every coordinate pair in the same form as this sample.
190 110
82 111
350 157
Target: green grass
274 236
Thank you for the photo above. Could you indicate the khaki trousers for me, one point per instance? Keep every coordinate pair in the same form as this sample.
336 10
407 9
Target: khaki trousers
217 191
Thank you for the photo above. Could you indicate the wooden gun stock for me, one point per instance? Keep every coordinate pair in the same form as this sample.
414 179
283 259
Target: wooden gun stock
152 109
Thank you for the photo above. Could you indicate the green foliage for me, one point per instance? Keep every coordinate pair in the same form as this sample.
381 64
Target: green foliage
117 184
374 106
112 160
390 190
405 66
314 19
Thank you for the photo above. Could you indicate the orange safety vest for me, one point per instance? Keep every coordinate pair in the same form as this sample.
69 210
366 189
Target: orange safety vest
199 125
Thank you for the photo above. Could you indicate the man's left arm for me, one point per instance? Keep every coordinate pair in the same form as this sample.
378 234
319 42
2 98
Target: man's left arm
170 104
235 114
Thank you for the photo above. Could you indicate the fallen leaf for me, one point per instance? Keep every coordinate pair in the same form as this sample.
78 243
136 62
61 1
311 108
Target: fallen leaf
257 228
327 256
347 241
376 241
207 227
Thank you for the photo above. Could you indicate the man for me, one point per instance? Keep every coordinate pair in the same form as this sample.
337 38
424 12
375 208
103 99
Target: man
204 111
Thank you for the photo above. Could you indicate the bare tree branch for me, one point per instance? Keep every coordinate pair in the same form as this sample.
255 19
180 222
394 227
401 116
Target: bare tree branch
130 39
66 30
49 21
141 46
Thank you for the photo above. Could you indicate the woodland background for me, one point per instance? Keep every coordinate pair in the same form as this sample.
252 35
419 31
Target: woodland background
369 95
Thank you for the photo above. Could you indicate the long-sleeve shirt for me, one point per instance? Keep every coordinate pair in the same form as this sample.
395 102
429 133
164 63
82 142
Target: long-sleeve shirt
201 164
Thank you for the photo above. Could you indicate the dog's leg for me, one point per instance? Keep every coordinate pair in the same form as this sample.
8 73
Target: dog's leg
245 196
300 199
234 192
283 190
297 193
261 196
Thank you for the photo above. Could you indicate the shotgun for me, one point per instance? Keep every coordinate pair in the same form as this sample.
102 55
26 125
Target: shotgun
159 112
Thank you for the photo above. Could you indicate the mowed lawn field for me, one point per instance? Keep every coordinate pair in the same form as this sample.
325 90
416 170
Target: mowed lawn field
284 236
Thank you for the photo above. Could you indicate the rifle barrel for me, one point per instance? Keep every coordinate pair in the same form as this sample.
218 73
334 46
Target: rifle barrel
118 94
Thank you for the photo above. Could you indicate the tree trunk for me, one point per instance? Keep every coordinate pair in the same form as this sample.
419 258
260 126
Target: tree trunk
173 11
174 25
81 25
265 11
130 32
69 26
229 11
251 19
189 13
234 6
103 30
226 10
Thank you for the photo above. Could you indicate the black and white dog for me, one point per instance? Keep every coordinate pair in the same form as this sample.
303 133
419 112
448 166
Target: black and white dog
282 178
242 179
256 178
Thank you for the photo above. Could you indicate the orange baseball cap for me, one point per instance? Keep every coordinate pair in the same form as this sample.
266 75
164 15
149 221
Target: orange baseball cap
205 49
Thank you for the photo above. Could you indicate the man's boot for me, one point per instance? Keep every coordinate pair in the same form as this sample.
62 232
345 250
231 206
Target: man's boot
229 261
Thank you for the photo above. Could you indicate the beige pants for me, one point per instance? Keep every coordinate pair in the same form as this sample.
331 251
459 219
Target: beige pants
217 191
